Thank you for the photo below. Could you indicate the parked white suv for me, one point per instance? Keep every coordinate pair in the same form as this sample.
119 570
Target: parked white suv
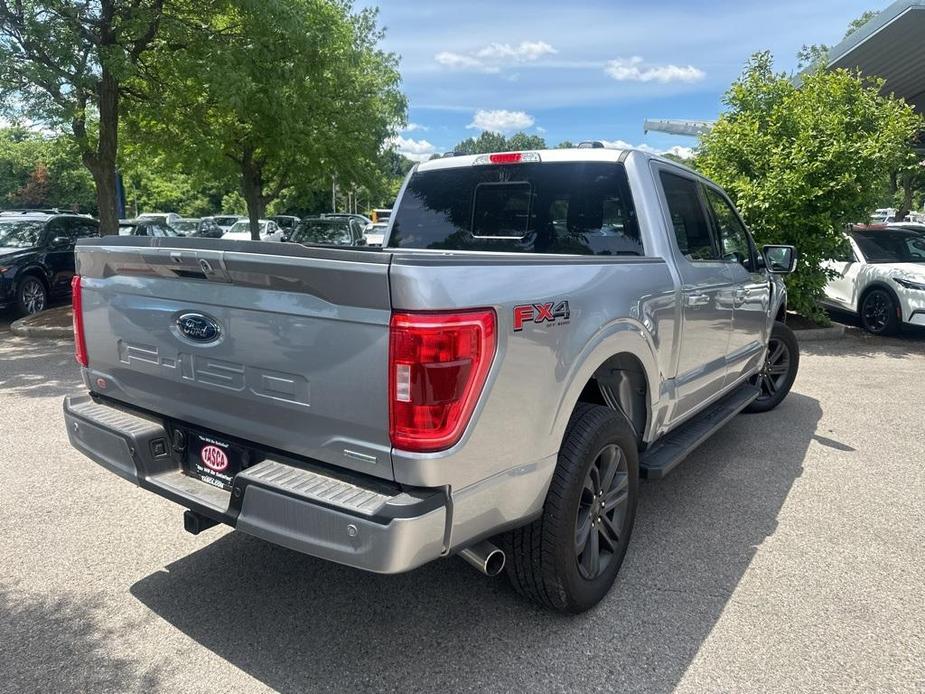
241 231
882 279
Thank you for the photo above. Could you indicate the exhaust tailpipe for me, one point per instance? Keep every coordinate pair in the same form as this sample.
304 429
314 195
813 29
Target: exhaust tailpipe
485 557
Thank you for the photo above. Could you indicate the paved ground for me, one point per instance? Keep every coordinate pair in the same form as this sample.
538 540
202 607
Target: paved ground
785 555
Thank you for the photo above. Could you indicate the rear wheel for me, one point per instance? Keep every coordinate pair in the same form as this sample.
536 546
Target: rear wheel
32 296
779 370
879 313
570 556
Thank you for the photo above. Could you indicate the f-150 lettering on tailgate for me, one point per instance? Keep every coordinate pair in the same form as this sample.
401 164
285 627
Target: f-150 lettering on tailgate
215 373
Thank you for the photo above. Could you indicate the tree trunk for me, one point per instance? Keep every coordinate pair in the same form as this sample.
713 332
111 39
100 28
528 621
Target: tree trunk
106 203
102 162
908 188
252 189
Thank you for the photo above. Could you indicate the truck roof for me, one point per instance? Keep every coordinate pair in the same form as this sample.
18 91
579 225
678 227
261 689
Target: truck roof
572 154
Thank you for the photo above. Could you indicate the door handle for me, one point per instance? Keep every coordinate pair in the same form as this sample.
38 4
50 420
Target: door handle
698 299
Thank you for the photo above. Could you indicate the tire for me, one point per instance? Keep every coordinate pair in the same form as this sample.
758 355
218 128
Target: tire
782 362
879 312
543 557
31 296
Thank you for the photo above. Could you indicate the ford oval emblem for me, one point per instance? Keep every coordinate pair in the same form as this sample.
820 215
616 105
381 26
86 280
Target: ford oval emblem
198 327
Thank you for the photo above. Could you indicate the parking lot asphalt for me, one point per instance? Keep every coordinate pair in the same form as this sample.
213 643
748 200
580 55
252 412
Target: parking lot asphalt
786 554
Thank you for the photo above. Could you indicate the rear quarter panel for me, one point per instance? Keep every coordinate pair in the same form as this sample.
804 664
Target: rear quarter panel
615 305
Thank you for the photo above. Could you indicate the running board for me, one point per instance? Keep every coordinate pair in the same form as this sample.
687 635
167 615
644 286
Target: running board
665 455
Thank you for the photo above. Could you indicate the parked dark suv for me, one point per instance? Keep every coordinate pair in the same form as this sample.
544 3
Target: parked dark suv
37 256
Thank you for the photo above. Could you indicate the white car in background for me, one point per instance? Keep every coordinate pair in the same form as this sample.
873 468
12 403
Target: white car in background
882 279
375 233
162 217
226 221
241 231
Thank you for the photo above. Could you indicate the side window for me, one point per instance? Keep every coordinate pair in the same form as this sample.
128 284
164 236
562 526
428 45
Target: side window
845 254
916 248
86 228
60 227
691 228
733 238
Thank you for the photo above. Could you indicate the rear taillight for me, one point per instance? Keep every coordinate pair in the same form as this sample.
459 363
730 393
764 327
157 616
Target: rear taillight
80 343
438 363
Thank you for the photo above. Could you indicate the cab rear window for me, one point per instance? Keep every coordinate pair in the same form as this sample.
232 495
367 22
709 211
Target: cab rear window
580 208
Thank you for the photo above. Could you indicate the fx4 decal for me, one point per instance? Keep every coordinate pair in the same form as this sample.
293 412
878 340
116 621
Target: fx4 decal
556 312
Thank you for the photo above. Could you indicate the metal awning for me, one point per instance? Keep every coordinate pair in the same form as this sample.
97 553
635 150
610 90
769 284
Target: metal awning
892 46
675 126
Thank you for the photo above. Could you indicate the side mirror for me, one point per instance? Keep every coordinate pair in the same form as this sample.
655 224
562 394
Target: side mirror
361 241
61 242
780 260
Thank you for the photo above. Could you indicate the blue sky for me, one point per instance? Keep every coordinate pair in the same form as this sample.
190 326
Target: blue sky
586 69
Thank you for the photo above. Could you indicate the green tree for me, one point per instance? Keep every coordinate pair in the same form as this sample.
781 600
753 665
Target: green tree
41 171
489 141
280 95
801 163
486 142
520 142
66 64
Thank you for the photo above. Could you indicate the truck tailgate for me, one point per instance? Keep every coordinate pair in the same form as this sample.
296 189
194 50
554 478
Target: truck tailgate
278 344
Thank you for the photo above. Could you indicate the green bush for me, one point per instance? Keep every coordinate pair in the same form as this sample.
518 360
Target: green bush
802 162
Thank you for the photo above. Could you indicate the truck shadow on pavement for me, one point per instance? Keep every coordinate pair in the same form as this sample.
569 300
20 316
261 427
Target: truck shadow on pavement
300 624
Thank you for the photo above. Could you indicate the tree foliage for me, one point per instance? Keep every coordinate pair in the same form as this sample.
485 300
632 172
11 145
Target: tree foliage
41 171
66 64
801 163
488 142
278 95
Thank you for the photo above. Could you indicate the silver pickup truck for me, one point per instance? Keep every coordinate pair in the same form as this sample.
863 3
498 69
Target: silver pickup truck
539 331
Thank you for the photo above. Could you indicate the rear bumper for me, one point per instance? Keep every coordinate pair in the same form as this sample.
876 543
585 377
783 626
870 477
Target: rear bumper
350 520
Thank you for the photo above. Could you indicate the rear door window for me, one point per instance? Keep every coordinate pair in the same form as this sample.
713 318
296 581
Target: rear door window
581 208
688 218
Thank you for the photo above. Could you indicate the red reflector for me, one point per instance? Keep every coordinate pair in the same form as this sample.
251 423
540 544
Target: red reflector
505 158
438 363
80 344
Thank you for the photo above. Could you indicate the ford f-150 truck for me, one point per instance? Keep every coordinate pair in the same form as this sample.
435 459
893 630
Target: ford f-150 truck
539 331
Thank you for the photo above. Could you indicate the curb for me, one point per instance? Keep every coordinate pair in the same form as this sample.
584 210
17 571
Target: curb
22 328
835 332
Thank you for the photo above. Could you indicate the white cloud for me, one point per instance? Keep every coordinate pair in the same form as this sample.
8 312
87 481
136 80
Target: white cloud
525 52
416 150
680 152
501 121
411 127
635 69
458 61
677 150
495 56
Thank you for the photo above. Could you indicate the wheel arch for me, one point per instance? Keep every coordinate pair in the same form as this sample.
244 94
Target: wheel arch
879 284
33 271
623 358
621 384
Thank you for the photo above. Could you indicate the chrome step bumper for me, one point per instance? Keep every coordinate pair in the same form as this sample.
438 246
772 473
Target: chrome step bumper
346 519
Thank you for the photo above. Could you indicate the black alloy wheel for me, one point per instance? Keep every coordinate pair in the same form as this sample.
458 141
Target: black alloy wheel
601 512
878 313
779 370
